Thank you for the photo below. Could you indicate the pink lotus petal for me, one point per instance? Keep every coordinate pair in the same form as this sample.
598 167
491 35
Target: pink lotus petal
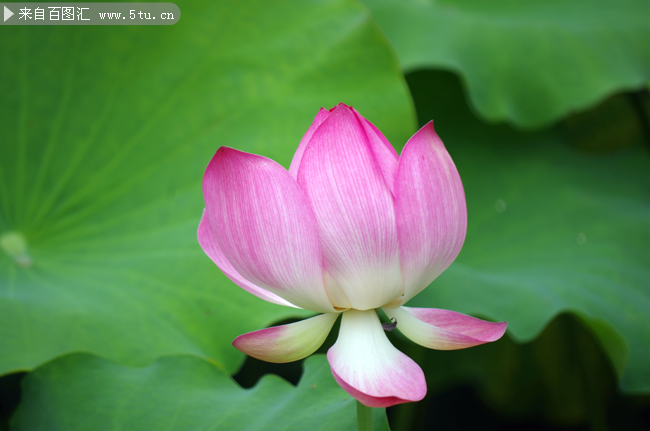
430 210
287 343
354 210
369 368
444 329
385 155
295 162
211 248
265 227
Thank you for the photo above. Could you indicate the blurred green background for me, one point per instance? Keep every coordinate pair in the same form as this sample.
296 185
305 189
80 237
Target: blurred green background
112 317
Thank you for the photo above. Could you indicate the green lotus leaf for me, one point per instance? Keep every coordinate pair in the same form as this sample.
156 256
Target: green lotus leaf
106 132
525 62
181 393
551 228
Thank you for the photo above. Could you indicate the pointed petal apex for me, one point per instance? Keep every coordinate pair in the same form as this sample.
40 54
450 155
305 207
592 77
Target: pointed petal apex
297 157
368 367
287 343
444 329
385 155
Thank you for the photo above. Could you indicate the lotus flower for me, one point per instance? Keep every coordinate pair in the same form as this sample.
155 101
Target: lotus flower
350 228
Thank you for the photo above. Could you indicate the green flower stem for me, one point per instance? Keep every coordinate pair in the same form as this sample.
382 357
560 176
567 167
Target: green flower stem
364 417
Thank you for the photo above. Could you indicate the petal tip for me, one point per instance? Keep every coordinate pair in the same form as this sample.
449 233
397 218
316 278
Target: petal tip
224 151
497 333
429 130
258 343
379 402
339 105
492 331
341 109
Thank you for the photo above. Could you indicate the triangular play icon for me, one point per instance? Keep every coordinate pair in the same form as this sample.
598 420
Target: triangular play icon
8 13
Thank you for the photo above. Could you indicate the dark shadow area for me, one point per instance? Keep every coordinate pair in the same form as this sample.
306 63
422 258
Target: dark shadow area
10 393
461 408
561 381
253 370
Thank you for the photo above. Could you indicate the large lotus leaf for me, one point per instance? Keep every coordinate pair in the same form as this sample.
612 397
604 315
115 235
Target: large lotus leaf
551 229
83 392
106 132
528 62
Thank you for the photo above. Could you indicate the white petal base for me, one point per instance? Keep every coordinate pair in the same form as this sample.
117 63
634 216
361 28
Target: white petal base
369 368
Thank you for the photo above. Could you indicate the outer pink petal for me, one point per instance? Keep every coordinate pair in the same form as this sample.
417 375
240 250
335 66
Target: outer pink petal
211 248
287 343
430 210
369 368
384 153
265 227
295 163
443 329
354 209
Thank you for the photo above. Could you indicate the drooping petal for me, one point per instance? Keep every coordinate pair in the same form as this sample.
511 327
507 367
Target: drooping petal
430 210
208 242
384 153
287 343
354 210
369 368
295 162
265 227
444 329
